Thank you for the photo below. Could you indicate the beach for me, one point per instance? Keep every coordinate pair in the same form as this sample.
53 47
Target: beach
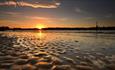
56 50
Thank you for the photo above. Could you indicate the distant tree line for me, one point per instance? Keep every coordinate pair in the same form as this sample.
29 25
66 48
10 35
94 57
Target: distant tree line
4 28
82 28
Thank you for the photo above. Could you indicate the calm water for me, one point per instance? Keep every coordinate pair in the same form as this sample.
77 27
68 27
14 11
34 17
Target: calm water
66 45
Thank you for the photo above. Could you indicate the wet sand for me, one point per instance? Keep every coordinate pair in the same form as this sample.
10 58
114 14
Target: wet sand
56 51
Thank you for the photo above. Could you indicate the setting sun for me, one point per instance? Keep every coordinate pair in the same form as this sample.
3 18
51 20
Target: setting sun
40 26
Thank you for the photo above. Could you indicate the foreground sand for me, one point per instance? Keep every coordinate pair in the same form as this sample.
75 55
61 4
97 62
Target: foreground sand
29 51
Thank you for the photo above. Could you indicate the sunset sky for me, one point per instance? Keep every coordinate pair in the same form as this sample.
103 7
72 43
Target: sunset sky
57 13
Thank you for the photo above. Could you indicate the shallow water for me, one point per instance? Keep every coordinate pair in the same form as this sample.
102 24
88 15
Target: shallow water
81 50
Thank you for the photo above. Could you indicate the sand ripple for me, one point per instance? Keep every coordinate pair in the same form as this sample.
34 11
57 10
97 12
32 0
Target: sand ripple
26 51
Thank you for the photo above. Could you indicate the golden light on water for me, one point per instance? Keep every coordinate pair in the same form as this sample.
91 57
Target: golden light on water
40 34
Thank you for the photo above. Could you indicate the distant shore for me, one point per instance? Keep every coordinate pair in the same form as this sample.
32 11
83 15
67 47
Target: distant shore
56 28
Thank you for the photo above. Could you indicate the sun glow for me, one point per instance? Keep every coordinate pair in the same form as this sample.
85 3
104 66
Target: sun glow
40 26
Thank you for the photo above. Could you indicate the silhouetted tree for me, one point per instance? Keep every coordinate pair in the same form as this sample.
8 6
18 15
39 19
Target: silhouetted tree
3 28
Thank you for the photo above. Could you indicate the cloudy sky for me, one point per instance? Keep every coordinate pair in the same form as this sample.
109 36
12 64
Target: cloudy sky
57 13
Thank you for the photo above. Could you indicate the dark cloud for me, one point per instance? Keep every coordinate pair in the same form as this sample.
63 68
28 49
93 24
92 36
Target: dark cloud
37 4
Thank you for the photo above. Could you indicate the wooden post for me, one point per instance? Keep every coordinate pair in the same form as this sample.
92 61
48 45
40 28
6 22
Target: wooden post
96 27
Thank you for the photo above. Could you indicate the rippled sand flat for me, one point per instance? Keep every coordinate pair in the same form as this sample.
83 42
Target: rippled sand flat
50 50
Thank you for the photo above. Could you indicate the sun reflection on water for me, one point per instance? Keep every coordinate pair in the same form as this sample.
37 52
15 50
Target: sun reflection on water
40 34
